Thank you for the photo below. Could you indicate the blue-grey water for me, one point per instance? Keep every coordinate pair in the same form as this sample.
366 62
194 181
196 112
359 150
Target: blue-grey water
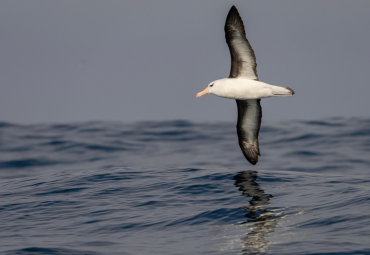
180 187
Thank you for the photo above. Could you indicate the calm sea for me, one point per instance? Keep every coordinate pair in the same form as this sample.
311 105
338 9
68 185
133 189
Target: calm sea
182 187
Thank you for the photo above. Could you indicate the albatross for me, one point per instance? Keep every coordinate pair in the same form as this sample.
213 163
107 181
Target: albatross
244 86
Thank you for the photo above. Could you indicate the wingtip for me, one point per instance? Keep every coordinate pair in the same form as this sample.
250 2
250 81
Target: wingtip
233 10
250 152
253 160
233 19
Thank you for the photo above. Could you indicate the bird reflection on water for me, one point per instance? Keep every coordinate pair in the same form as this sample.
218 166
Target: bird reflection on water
262 220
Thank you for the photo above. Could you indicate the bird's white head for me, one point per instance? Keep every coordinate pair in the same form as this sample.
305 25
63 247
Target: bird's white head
212 88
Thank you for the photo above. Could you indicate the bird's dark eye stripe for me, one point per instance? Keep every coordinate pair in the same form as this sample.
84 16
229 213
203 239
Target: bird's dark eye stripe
211 85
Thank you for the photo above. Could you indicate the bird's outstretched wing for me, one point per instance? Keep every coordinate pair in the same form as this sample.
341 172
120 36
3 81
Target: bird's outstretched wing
248 127
243 60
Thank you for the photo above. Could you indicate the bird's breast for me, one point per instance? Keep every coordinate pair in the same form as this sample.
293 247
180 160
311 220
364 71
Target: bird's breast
243 89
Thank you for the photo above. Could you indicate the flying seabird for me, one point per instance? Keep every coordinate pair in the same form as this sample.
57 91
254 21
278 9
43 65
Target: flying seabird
244 86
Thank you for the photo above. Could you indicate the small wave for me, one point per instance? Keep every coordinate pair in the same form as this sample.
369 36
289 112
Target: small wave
51 251
26 163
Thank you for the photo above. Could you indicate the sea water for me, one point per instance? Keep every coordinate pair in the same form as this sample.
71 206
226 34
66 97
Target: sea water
180 187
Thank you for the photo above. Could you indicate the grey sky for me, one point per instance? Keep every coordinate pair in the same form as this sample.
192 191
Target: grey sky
134 60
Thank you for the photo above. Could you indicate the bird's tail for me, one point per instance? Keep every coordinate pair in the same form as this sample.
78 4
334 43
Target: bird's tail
282 91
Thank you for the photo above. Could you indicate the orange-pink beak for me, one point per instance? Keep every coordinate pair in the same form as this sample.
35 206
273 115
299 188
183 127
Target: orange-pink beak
206 91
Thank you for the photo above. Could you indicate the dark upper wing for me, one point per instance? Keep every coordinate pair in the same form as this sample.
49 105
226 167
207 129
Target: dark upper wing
243 60
248 127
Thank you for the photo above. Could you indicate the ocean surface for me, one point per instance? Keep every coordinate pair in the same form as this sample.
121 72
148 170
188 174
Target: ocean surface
180 187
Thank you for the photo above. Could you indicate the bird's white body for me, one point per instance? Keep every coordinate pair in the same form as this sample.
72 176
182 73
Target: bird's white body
243 89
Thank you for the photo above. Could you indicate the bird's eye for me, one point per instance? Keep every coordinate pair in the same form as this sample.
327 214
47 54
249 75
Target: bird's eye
211 85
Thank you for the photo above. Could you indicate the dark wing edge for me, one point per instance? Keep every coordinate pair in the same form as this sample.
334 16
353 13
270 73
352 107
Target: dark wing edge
248 127
243 60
